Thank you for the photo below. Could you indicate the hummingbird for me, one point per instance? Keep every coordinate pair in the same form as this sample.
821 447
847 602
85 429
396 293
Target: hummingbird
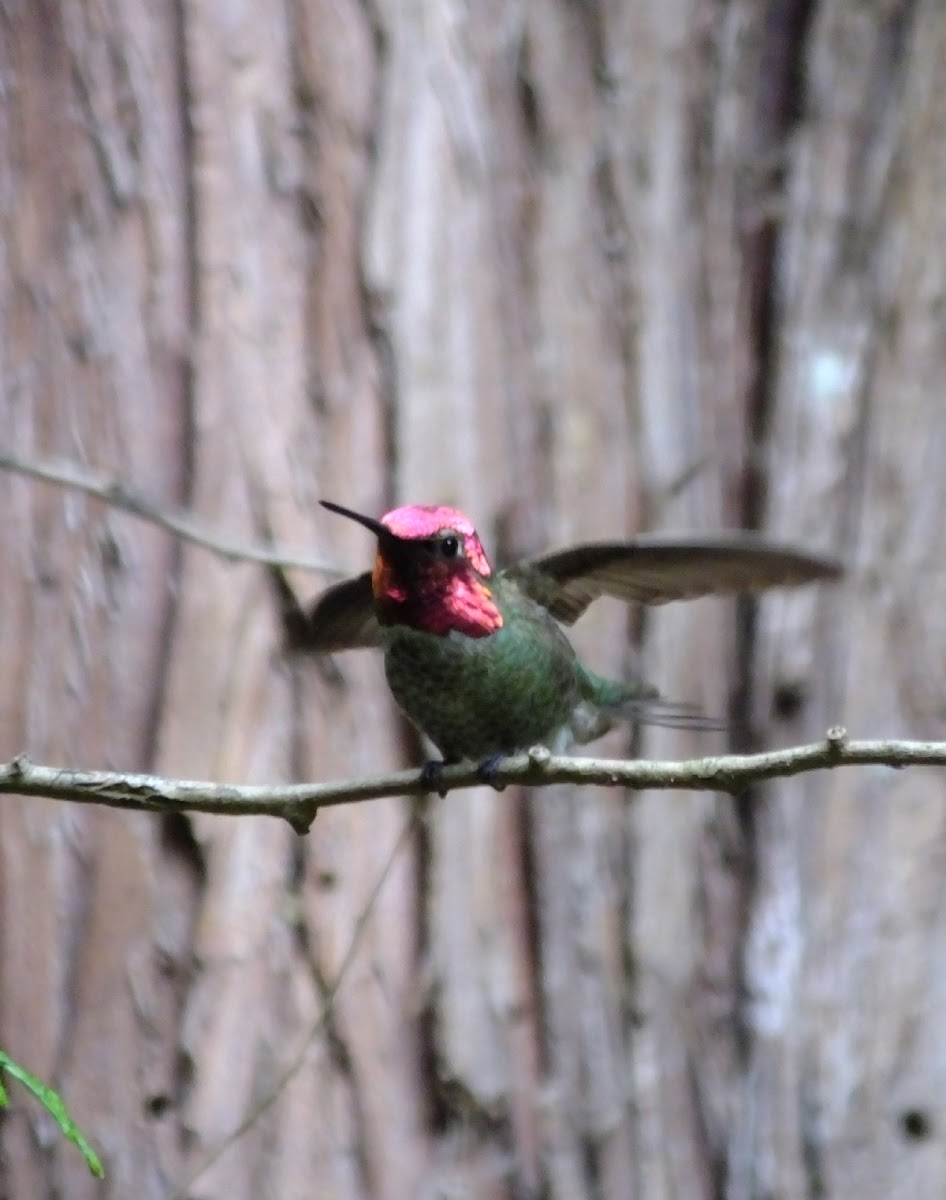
477 659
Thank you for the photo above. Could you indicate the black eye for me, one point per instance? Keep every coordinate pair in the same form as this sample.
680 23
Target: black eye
449 546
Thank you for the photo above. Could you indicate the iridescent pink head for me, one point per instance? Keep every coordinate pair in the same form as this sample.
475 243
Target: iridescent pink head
424 522
430 572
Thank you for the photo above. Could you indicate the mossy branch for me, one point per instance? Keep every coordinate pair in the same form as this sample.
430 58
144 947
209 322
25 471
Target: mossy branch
298 803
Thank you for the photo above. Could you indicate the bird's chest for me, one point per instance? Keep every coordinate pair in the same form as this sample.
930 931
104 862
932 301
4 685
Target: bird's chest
475 697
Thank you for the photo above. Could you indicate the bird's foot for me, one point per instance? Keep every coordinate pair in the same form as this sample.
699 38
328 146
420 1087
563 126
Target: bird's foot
431 777
431 773
488 770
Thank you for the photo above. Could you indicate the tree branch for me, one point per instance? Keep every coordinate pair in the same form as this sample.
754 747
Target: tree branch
298 803
70 475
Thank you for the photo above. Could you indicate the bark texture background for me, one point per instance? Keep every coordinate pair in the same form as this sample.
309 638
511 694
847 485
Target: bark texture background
578 269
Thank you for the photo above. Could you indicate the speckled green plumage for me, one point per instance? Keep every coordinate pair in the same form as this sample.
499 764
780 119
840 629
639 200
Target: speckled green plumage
518 687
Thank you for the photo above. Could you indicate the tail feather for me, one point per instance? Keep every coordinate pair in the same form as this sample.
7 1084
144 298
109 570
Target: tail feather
667 714
638 702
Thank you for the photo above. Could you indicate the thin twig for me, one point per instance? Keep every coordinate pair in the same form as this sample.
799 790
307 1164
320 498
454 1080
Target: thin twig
299 802
177 521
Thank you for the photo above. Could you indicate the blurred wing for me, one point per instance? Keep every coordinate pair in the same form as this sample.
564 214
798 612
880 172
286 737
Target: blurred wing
342 618
656 569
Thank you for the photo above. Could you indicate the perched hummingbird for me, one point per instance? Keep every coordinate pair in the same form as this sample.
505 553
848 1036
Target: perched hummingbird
477 659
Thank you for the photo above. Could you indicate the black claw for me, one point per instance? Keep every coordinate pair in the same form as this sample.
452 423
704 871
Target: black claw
431 776
489 769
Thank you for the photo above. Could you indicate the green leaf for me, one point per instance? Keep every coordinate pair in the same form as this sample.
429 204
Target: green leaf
52 1102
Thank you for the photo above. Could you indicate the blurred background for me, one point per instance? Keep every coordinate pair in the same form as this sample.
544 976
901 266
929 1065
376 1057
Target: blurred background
579 269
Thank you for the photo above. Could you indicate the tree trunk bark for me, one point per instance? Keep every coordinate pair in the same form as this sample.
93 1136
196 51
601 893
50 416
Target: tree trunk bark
577 269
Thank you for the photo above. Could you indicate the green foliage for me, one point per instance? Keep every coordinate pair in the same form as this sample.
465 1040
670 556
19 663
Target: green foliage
52 1101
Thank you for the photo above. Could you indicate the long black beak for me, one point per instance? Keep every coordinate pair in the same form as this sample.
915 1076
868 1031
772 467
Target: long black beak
376 527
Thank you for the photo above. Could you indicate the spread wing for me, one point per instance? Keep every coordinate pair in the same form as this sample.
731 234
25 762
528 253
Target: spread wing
656 569
342 618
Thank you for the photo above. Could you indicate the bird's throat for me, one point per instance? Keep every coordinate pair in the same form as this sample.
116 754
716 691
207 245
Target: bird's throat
438 603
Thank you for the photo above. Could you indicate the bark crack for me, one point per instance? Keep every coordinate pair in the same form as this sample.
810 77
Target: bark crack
186 390
374 306
780 106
